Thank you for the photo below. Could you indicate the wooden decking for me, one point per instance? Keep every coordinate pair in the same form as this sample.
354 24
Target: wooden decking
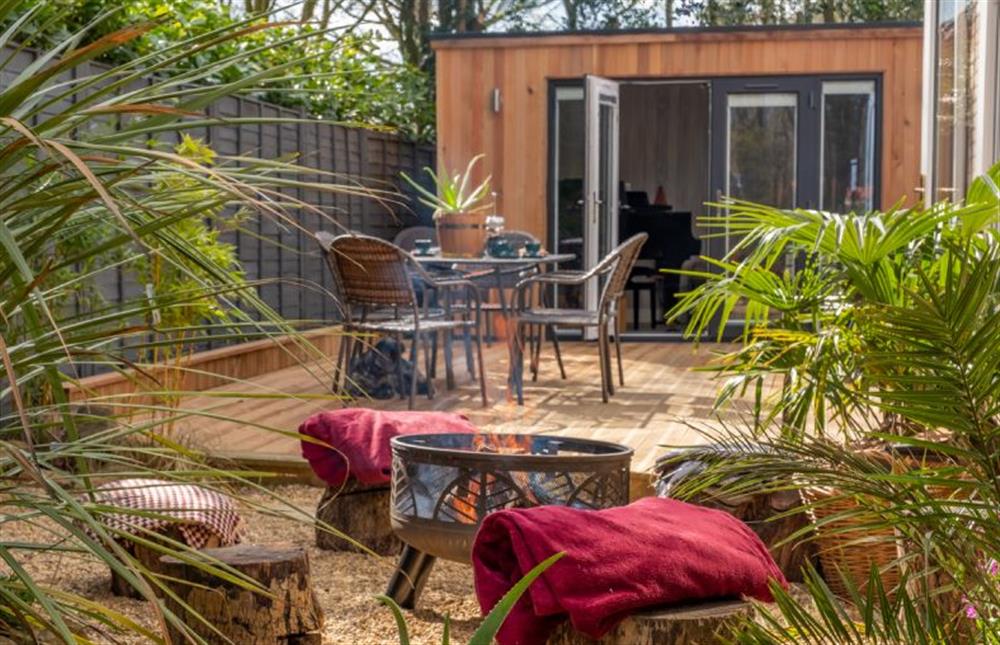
661 396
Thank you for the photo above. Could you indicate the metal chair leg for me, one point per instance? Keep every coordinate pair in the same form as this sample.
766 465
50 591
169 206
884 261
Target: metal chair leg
449 358
536 358
555 345
607 360
399 367
413 375
338 371
517 363
532 365
602 356
432 367
618 350
428 361
482 367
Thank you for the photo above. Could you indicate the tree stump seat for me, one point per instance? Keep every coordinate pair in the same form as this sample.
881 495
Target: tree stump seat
767 513
139 510
149 559
702 624
288 613
360 511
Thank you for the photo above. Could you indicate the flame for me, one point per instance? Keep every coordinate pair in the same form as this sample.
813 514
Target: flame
465 504
506 444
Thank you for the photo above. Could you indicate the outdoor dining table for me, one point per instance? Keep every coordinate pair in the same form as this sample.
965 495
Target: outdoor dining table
497 265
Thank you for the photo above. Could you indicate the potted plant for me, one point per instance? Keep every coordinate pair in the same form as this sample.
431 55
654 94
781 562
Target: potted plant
459 210
856 339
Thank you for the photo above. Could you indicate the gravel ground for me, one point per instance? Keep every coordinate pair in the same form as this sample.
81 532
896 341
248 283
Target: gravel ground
344 582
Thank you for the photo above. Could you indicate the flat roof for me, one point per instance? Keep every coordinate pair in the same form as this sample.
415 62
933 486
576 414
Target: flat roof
675 31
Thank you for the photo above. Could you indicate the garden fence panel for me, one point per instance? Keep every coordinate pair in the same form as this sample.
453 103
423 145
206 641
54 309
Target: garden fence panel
295 280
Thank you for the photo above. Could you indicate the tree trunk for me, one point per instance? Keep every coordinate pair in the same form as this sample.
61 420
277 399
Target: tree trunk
290 614
704 624
360 512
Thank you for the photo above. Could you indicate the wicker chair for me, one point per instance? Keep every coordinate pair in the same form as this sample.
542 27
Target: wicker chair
407 238
373 278
614 269
489 280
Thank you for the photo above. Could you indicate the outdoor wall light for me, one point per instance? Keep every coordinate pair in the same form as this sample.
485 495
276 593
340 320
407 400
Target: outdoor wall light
496 100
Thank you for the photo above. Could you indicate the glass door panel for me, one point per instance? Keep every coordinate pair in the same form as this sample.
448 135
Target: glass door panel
584 158
847 147
762 127
600 184
765 145
568 142
760 162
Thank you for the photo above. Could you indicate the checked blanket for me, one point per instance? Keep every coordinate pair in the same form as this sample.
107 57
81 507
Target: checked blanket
155 505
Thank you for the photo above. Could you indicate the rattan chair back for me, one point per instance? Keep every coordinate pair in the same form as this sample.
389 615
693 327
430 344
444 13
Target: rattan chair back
623 257
407 238
370 272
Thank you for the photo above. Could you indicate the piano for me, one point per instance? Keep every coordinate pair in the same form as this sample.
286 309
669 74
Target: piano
670 243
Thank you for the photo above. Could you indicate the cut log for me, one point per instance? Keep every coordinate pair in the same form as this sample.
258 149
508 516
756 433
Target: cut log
703 624
149 558
289 612
361 512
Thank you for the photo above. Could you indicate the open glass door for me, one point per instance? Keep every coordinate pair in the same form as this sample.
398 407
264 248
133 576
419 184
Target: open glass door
600 177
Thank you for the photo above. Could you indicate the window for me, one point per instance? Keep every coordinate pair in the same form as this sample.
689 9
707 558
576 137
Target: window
762 126
847 147
956 97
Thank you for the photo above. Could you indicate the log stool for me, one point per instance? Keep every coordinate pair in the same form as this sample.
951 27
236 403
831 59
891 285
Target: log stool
289 615
153 508
703 624
149 558
359 511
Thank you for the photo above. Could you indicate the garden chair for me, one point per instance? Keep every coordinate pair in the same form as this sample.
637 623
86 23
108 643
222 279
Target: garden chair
489 280
374 283
407 238
614 270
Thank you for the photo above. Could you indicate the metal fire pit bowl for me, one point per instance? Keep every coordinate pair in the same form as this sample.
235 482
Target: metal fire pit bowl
443 485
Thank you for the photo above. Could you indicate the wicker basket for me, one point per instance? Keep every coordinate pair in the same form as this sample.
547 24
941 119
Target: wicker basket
462 235
847 547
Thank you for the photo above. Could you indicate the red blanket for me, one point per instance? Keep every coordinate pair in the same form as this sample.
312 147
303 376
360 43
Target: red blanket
651 553
360 440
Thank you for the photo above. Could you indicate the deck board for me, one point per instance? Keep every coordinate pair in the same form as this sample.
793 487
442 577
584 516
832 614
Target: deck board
663 394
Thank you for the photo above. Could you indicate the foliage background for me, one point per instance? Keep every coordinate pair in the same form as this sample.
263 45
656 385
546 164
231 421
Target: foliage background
343 76
375 65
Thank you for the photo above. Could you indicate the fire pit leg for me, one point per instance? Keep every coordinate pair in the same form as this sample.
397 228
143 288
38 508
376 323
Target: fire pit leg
410 577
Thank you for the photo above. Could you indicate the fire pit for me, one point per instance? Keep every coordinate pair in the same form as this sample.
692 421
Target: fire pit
443 485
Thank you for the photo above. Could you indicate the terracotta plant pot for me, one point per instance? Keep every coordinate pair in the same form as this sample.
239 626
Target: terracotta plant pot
461 235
